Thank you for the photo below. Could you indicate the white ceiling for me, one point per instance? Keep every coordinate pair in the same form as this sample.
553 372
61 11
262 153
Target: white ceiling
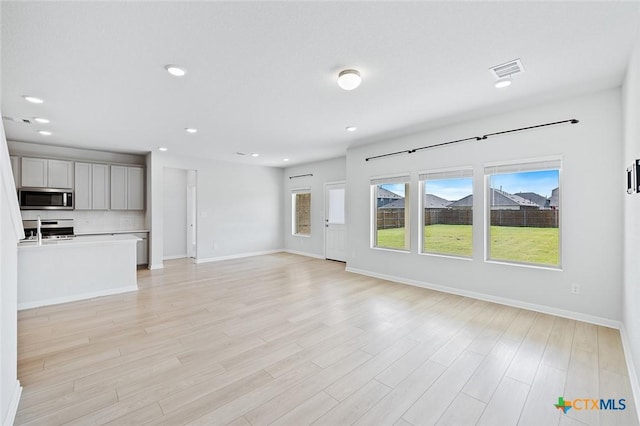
262 75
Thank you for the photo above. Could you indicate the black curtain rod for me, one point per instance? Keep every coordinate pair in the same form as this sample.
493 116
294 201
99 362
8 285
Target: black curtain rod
476 138
293 177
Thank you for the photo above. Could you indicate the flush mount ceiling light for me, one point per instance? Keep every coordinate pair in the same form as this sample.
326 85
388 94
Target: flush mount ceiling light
163 149
285 159
44 133
33 99
191 130
351 128
41 120
349 79
503 82
255 155
175 70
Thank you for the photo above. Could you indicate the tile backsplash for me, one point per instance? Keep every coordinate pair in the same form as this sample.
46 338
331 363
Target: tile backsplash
93 220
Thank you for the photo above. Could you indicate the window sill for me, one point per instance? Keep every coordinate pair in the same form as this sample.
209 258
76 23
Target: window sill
301 235
448 256
391 249
525 265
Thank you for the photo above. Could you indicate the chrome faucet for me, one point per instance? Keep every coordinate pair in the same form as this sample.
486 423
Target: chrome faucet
39 231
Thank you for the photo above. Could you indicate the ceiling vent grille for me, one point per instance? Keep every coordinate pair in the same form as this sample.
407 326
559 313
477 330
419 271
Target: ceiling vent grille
507 69
17 120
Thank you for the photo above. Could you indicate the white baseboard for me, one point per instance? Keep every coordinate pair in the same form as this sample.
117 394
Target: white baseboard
12 409
301 253
237 256
160 266
495 299
176 256
83 296
631 369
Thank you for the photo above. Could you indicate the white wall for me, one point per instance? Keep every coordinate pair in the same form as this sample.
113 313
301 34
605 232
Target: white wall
323 171
239 207
591 206
174 228
631 288
10 232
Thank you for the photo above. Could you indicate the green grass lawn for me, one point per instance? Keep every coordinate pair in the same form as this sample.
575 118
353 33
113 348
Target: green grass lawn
516 244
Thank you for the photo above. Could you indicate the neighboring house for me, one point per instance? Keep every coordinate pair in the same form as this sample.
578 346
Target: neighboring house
385 196
554 201
430 202
541 201
500 200
395 204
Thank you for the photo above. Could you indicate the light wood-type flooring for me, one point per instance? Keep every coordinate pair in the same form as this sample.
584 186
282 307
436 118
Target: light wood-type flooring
289 340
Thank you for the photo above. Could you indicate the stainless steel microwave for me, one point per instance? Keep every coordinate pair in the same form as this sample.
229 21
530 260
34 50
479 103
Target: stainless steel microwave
45 199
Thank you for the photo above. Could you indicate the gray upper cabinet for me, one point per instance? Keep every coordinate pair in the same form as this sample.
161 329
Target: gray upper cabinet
83 187
43 173
118 188
34 172
92 186
100 186
60 174
15 168
127 188
135 188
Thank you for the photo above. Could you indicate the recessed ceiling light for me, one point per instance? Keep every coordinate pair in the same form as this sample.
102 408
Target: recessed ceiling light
351 128
33 99
175 70
41 120
503 82
44 133
162 148
191 130
285 159
255 154
349 79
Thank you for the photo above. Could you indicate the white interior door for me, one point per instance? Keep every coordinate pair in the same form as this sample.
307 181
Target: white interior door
191 221
335 222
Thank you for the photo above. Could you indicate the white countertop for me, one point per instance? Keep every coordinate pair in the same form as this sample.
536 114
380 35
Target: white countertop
78 241
139 231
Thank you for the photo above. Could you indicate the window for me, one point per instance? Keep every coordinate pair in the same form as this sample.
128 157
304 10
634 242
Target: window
524 212
301 212
447 212
390 224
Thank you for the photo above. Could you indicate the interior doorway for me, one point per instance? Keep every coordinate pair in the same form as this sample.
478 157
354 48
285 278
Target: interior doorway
179 214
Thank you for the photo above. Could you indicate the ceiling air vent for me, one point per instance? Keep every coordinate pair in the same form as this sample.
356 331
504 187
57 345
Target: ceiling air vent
507 69
17 120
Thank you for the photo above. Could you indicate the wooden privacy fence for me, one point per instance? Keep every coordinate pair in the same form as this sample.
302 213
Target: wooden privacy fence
394 218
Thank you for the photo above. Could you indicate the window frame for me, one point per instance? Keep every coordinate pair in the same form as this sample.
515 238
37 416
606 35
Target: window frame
487 208
375 182
294 211
462 170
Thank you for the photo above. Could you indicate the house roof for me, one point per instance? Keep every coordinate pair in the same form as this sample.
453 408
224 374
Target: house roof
499 199
430 201
395 204
535 198
262 76
386 194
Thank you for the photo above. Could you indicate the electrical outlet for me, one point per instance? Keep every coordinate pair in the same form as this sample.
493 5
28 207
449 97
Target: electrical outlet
575 288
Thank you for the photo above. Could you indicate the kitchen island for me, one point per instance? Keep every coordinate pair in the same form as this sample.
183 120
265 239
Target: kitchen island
60 271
